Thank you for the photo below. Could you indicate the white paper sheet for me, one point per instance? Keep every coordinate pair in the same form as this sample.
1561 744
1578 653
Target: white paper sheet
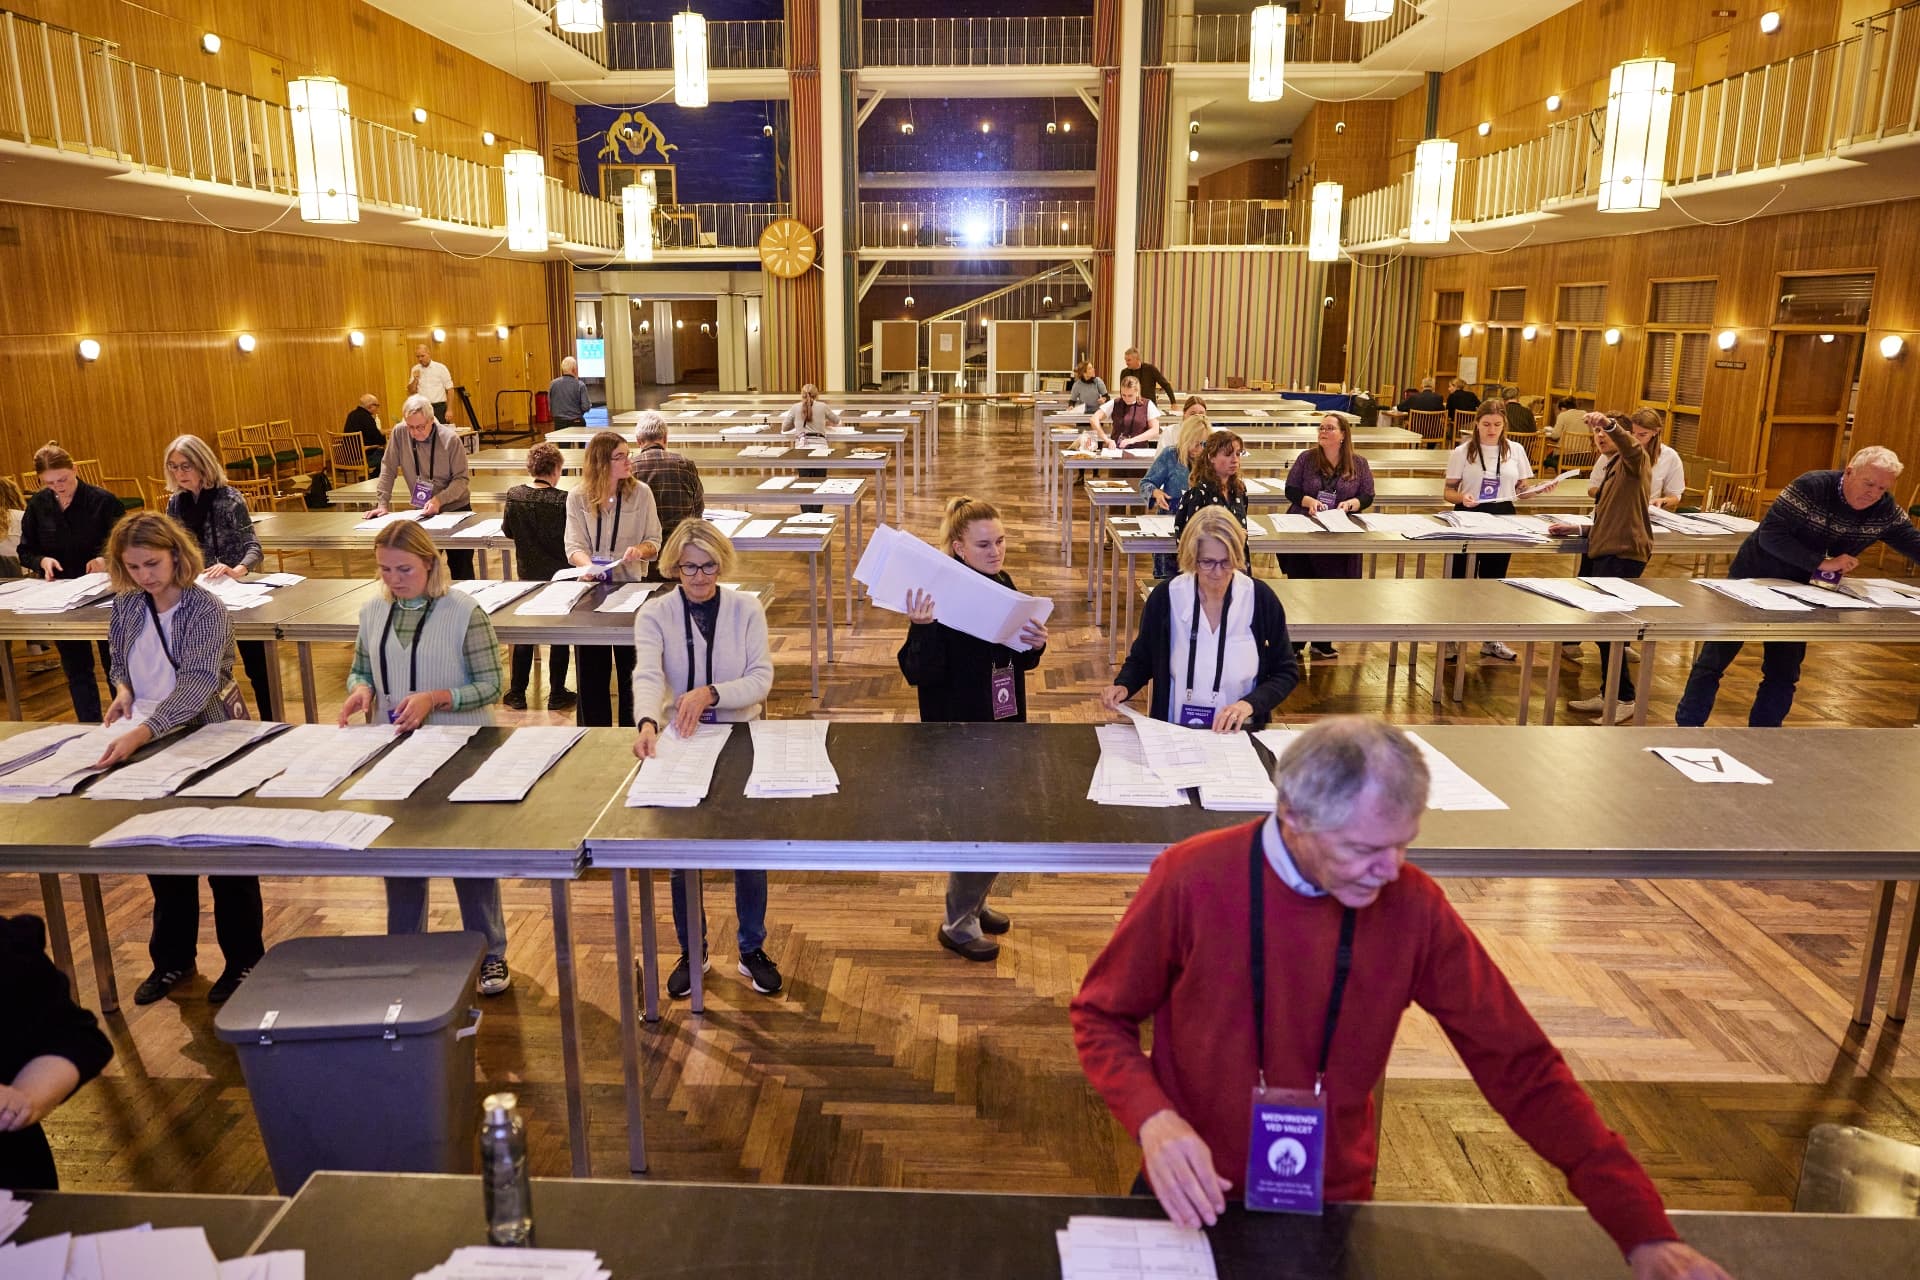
417 758
1709 764
59 595
237 595
1294 523
1818 597
1754 595
13 1212
1177 756
728 526
247 826
373 524
1155 526
573 573
1240 783
162 772
1887 593
627 598
1412 526
172 1253
1276 741
519 762
868 453
1121 776
1094 1248
841 484
328 760
58 772
554 600
445 520
493 595
1632 592
278 579
1334 520
1674 522
36 744
1570 591
717 514
775 482
790 760
763 451
490 1262
1550 483
1450 786
895 563
681 771
493 528
756 529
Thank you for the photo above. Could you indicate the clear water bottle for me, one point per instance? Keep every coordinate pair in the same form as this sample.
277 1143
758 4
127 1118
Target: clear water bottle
503 1171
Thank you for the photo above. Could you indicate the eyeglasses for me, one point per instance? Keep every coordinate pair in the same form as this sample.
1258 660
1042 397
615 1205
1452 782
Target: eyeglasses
707 570
622 457
182 466
1213 566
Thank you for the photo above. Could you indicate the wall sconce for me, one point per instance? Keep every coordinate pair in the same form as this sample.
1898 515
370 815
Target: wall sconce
986 126
646 326
1193 126
1192 156
90 350
355 338
1466 330
1053 127
906 127
1484 128
1529 333
210 43
1891 346
439 335
1826 337
419 115
1611 337
1769 22
1553 102
1725 339
486 137
245 342
500 332
1066 126
679 324
909 301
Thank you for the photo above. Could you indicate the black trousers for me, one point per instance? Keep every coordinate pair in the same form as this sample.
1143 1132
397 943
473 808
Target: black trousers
26 1161
558 660
253 656
1615 567
76 661
812 473
238 919
594 664
1484 566
440 412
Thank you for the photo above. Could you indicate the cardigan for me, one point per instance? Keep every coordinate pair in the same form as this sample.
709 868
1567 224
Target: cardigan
614 527
953 671
536 520
201 643
73 534
742 661
42 1020
1307 480
1087 394
1621 526
1810 522
1151 657
1179 958
225 527
441 453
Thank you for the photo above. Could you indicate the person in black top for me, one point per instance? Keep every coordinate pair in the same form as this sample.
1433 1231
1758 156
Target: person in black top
363 420
1151 379
1426 398
1460 399
51 1048
64 535
1215 482
536 520
961 677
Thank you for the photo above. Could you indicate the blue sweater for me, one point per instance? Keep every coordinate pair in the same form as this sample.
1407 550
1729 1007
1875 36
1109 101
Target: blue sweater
1810 521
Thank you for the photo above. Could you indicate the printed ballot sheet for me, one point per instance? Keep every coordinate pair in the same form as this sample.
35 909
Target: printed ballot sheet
493 596
895 563
493 1262
417 758
1133 1249
493 528
373 524
554 600
1632 592
59 771
1709 764
1450 786
1334 520
1240 783
628 598
140 1253
1407 526
235 594
327 760
36 744
163 772
790 760
1570 591
1754 595
59 595
1818 597
1121 776
269 760
445 520
519 762
245 826
1177 756
1294 523
13 1212
681 771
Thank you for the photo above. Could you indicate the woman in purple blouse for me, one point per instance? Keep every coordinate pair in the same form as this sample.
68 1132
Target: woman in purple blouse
1328 475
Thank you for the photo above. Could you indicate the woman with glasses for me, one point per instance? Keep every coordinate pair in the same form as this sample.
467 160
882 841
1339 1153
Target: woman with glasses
1215 482
1328 477
701 656
613 527
215 513
1213 640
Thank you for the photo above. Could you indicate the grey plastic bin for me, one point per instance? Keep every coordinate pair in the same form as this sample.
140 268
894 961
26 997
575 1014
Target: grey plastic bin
359 1053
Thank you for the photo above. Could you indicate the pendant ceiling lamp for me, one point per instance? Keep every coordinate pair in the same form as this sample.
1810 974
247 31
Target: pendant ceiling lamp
1633 151
526 182
1369 10
1430 221
636 209
1323 240
689 60
582 17
323 150
1267 65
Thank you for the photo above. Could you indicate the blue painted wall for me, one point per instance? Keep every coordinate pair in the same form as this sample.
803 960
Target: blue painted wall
718 151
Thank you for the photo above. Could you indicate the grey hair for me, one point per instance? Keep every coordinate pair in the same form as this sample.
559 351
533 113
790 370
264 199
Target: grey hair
651 425
1509 393
569 365
1426 384
1322 776
1879 457
416 404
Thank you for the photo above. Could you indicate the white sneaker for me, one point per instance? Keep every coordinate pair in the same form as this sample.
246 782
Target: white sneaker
1589 705
1624 713
1494 649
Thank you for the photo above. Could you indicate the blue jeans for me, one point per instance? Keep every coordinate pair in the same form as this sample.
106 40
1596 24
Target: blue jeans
479 909
749 904
1779 673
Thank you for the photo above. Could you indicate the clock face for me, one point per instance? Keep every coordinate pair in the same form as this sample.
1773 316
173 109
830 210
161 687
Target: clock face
787 248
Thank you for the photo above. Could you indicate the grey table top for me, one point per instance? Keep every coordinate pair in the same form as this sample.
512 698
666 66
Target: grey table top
1584 801
1124 530
489 492
394 1226
1708 615
260 623
1389 491
871 434
338 620
1439 609
538 838
334 531
232 1223
1267 461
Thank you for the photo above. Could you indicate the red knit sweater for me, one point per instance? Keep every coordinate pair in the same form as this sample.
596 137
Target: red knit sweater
1179 957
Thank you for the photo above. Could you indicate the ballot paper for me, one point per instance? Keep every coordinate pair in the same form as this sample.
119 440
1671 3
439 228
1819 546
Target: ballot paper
417 758
724 413
868 453
1155 526
1545 485
1725 520
373 524
1239 781
1819 597
727 525
775 482
554 600
493 596
163 772
744 429
872 413
1569 591
519 762
493 1262
59 595
790 760
575 572
1571 521
1334 520
627 598
237 594
1276 741
1674 522
1294 522
763 451
895 563
13 1212
1754 595
1887 593
812 517
1450 786
1411 526
756 529
35 744
1121 776
327 761
723 513
1708 764
281 1264
278 579
1630 591
445 520
681 771
493 528
1133 1249
841 484
59 771
820 451
237 826
1484 524
1177 756
139 1253
269 760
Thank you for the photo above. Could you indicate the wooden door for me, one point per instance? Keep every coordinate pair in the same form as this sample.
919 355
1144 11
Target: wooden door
1809 389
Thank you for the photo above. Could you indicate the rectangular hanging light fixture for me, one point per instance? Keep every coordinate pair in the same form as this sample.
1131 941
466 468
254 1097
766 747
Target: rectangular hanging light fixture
1369 10
636 210
526 184
1430 221
1267 64
582 17
1633 152
1323 239
323 150
689 60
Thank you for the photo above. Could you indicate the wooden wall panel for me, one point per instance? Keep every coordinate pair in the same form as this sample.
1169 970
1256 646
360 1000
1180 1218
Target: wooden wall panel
1356 157
166 301
1222 314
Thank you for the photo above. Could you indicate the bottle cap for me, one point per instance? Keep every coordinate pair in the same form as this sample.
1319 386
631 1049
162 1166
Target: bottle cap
499 1107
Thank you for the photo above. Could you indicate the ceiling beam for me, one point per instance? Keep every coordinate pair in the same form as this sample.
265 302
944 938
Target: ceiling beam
867 108
866 281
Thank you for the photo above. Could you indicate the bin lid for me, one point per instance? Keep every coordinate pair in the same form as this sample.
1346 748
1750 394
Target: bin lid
342 988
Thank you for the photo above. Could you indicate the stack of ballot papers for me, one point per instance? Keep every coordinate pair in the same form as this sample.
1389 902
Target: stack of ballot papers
519 762
246 826
165 771
771 482
493 528
763 450
1724 519
1630 591
36 744
325 762
58 772
1449 786
868 453
1240 782
1411 526
1693 523
1285 523
556 599
1573 592
237 594
757 529
270 760
417 758
1334 520
1754 595
141 1253
1122 777
1224 766
59 595
373 524
627 598
1816 594
681 771
490 1262
1155 526
1133 1249
1884 593
493 596
790 760
895 563
1482 524
445 520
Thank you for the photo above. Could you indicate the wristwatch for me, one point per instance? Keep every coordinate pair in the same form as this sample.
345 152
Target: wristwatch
648 720
714 693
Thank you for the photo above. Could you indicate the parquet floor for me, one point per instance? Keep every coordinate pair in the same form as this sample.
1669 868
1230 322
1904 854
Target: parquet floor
1709 1020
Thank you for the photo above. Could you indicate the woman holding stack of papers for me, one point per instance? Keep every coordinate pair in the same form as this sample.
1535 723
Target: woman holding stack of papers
613 526
62 535
701 656
964 678
172 669
1484 475
1213 641
428 653
1329 476
215 513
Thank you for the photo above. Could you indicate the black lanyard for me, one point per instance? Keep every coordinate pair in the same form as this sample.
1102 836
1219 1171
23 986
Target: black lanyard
619 501
1193 637
153 610
433 455
1257 933
686 620
413 650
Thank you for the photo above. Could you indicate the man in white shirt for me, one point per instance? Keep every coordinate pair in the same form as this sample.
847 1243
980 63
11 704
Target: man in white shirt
431 379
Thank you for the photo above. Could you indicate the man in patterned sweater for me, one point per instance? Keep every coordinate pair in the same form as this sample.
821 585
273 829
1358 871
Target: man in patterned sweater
1818 527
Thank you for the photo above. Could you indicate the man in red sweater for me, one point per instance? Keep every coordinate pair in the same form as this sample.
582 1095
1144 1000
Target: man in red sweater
1350 794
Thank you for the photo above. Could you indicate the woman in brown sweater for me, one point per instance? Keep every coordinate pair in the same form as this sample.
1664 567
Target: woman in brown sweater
1621 540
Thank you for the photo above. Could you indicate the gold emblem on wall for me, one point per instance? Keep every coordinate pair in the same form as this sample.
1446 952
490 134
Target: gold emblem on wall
787 248
637 134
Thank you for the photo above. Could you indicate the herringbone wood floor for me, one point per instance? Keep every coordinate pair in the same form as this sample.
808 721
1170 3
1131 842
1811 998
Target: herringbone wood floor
1709 1020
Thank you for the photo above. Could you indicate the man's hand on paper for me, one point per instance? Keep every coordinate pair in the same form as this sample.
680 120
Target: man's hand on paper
1232 717
1113 696
920 606
1839 564
1180 1167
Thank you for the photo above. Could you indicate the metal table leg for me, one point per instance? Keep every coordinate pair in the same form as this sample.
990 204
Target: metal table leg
1611 691
629 1023
1874 952
846 529
308 694
813 618
570 1031
1553 684
276 692
826 550
696 940
1526 680
1647 651
54 908
98 941
1902 994
649 950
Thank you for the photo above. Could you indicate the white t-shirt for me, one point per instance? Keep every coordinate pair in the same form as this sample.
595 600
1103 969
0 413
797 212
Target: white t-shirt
1242 668
1669 474
152 674
1473 463
435 382
10 544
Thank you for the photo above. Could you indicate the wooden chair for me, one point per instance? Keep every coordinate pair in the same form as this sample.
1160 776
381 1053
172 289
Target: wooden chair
1463 423
1431 424
1849 1170
1721 487
346 459
1746 500
1534 442
310 455
235 456
280 444
132 496
259 449
1576 450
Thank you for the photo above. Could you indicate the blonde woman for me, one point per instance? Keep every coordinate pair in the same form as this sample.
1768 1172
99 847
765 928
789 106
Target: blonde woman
214 512
701 655
1167 479
613 525
428 654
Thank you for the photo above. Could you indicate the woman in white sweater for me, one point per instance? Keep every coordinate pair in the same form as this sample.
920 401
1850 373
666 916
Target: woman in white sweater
701 655
613 525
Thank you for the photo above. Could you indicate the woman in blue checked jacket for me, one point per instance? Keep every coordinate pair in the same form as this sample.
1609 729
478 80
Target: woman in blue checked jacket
214 512
173 669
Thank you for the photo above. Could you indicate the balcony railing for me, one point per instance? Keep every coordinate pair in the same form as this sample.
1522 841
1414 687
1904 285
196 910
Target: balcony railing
1231 222
592 44
982 155
731 46
976 42
1228 37
578 218
713 226
1011 224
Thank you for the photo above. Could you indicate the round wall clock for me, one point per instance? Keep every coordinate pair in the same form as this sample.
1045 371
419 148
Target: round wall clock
787 248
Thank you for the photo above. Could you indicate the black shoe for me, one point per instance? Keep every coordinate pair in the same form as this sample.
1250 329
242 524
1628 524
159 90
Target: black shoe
514 701
981 950
992 921
1321 649
562 700
227 983
759 967
680 981
159 982
494 977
